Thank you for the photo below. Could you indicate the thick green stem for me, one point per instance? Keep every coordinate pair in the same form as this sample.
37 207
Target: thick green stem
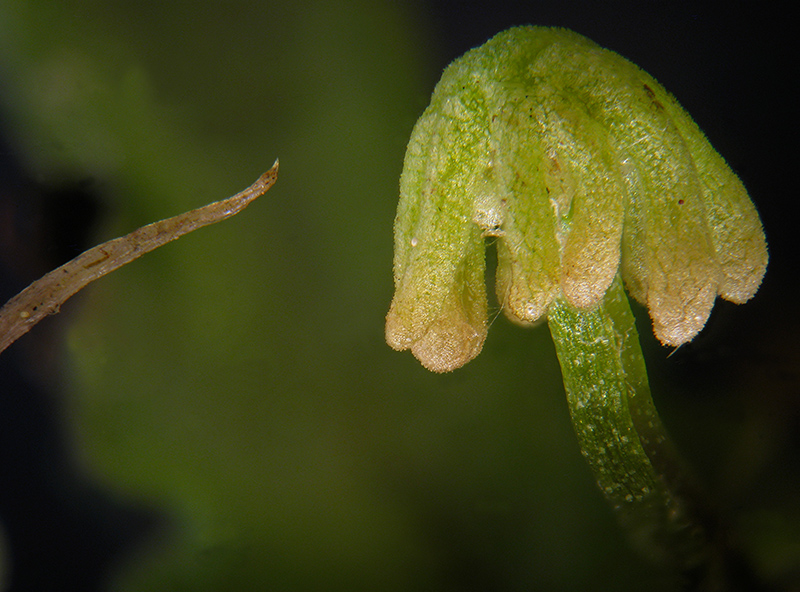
621 435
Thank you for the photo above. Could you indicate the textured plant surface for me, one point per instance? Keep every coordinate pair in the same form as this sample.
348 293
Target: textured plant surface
236 382
582 169
581 165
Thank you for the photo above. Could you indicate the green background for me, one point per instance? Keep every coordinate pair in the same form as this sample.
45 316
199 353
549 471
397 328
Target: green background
236 383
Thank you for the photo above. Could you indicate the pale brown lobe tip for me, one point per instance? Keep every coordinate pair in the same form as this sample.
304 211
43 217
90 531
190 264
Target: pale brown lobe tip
677 321
447 346
397 336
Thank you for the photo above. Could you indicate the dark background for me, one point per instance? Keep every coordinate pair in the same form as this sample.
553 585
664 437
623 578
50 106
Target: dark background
730 398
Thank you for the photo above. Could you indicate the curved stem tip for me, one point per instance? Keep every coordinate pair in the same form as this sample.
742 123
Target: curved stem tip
46 295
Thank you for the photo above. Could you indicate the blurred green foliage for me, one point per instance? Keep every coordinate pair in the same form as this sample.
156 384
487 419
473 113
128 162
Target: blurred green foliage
238 379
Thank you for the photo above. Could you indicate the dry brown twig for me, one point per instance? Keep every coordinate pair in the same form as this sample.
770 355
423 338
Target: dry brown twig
46 295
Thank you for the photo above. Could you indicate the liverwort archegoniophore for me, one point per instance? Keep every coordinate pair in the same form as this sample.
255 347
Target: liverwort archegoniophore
589 176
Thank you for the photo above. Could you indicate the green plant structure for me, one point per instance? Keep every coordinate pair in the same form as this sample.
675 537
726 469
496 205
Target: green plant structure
588 176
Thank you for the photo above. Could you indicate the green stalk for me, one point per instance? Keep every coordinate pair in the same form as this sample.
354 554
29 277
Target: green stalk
621 436
584 168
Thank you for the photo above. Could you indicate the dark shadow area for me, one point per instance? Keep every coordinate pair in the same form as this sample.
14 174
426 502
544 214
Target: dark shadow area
62 532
